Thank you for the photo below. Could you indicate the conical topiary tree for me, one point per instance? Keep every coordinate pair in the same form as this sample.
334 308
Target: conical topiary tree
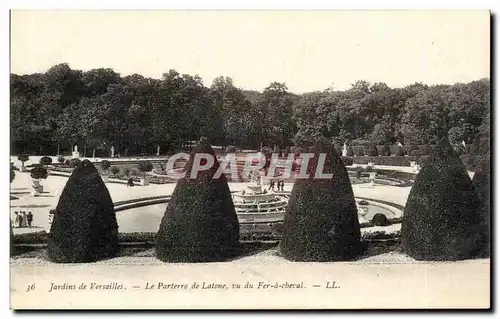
440 220
200 222
350 151
321 219
84 228
482 184
372 151
386 150
399 151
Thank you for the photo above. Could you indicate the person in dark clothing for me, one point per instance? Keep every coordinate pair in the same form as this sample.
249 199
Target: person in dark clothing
130 182
271 185
30 219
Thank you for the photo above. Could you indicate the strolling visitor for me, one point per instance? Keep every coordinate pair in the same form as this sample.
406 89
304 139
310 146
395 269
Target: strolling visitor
29 219
271 185
17 220
24 221
130 182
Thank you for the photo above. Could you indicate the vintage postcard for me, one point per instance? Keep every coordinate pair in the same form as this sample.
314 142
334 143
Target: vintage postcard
250 159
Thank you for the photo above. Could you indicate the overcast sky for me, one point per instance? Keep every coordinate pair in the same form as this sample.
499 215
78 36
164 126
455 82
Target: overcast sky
309 50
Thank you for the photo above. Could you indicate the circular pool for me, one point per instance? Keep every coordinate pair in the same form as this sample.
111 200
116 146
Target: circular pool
147 218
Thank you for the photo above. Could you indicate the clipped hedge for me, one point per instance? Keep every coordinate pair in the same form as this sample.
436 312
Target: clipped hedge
45 160
385 151
482 185
372 151
200 223
441 220
84 228
399 151
321 219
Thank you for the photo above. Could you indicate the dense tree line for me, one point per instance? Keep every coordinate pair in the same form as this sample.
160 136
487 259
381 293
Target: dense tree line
98 109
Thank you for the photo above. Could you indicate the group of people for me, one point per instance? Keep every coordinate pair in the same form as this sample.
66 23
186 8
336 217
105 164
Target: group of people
279 184
23 219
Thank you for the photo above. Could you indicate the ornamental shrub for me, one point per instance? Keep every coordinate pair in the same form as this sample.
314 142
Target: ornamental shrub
74 162
115 170
200 223
105 164
380 220
372 151
399 151
482 184
386 150
321 218
441 220
84 228
39 172
45 160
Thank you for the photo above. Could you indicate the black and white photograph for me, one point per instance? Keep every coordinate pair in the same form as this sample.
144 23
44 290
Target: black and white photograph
250 159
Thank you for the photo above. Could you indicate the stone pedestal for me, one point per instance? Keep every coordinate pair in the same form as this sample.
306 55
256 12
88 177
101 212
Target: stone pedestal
144 182
76 154
37 188
105 178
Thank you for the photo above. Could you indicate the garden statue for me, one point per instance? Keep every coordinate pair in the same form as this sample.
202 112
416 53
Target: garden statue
75 152
373 175
256 178
344 151
112 151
